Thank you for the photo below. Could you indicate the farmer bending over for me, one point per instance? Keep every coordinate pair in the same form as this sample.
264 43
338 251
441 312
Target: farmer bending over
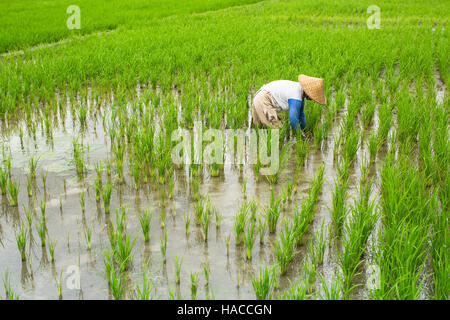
286 95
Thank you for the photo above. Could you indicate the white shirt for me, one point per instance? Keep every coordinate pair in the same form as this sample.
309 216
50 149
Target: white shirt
283 90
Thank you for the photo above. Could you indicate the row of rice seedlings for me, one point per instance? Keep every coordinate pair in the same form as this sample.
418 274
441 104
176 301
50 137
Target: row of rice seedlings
339 198
303 218
265 284
439 254
357 231
400 253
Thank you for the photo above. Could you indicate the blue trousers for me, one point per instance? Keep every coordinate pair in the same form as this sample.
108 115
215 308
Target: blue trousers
297 114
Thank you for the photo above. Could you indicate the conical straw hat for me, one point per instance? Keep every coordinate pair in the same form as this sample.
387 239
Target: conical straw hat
313 87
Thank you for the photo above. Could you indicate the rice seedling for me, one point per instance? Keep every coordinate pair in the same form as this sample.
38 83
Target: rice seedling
187 222
178 264
51 249
206 271
144 291
351 145
21 240
272 212
194 285
88 237
107 196
227 243
163 246
4 175
205 224
33 166
244 185
117 284
367 113
13 188
373 145
121 219
262 228
218 216
29 188
98 190
59 286
240 220
249 240
145 220
44 180
43 206
99 172
82 114
303 218
284 248
29 216
333 290
339 209
42 230
309 274
9 292
316 247
78 157
265 283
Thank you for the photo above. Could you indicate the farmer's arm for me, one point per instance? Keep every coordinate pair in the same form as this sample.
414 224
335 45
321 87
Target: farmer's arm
297 114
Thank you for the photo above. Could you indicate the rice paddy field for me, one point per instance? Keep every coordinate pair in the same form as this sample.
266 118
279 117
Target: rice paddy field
93 207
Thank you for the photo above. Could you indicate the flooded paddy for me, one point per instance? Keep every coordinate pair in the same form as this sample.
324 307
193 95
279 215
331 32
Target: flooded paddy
93 206
230 276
